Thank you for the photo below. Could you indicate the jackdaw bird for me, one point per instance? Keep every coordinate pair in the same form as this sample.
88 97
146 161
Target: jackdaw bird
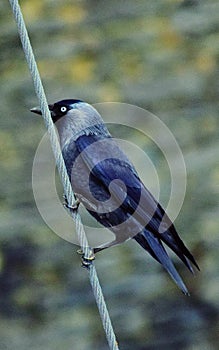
107 184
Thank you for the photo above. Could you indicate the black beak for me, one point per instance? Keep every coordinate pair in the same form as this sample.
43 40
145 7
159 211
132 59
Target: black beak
38 111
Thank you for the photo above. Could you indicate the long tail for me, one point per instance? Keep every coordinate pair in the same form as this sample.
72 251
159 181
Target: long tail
156 249
172 239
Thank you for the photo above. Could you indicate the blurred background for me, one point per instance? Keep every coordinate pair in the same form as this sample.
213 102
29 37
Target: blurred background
159 55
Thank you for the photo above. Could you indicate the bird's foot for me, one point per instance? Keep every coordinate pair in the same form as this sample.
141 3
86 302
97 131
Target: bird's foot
86 258
73 207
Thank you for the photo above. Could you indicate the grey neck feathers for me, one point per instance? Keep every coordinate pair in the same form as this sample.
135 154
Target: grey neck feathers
80 121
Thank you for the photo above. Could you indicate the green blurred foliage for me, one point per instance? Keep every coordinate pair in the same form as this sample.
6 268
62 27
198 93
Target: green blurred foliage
162 56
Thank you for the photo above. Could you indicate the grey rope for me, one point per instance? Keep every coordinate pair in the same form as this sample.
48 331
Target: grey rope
107 325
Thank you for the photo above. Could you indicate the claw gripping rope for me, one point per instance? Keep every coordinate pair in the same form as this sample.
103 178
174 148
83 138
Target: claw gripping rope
94 281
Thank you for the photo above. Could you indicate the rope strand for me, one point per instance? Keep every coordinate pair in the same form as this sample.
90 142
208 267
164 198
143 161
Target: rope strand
94 281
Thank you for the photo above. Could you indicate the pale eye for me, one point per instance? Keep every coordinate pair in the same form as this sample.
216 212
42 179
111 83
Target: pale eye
63 109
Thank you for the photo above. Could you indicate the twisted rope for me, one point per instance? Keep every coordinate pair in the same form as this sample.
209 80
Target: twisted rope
98 294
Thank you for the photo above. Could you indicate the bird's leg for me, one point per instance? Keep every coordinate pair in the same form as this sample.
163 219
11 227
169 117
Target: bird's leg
74 206
87 257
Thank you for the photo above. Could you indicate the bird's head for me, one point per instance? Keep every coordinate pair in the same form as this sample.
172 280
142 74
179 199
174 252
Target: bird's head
74 117
61 108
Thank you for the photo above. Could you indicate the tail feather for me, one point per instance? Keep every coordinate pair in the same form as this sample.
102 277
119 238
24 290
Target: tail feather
172 239
179 252
156 249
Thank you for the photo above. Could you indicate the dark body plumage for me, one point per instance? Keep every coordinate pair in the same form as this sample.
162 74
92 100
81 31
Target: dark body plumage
133 212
